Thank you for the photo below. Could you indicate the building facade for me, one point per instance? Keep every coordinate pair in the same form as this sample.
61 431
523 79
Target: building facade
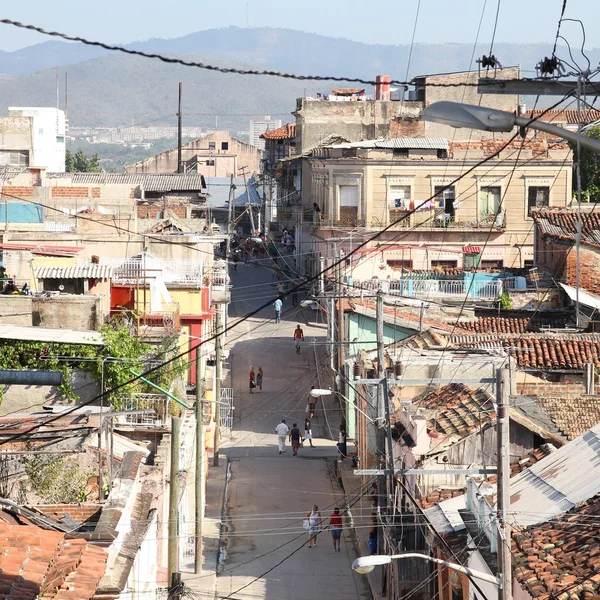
216 155
257 128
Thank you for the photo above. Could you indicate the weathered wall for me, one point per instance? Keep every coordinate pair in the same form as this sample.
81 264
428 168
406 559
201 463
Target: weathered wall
22 398
15 310
16 133
68 312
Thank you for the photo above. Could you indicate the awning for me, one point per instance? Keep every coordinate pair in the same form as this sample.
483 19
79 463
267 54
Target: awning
47 334
585 298
471 249
91 271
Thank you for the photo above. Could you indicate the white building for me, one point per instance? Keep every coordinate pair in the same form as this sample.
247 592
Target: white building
257 128
48 130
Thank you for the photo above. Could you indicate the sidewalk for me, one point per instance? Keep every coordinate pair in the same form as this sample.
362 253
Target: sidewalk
205 583
360 514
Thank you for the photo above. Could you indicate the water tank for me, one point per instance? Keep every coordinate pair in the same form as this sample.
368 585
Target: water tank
520 283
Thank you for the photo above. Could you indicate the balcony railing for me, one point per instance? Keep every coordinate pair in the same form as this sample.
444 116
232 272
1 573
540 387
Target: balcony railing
437 219
159 403
437 288
220 282
127 271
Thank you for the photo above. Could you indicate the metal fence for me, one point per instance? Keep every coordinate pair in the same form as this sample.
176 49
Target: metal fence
438 288
135 270
227 408
159 403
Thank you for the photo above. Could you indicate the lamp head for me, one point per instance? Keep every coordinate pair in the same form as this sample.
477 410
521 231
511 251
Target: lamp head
468 116
316 393
365 564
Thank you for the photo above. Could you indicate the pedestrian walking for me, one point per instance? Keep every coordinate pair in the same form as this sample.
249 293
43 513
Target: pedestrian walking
278 304
335 521
282 433
259 379
342 445
314 525
308 431
252 379
295 438
298 338
312 403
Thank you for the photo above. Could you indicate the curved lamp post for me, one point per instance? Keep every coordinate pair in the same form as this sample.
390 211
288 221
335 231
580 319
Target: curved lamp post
468 116
365 564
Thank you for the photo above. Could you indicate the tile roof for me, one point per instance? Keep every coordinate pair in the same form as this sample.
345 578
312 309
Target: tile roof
459 410
562 224
90 271
36 563
543 351
286 132
561 557
574 416
496 325
569 116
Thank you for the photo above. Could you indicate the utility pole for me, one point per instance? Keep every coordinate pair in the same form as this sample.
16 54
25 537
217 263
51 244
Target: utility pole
503 492
217 385
253 229
229 218
579 221
173 546
179 164
200 464
340 320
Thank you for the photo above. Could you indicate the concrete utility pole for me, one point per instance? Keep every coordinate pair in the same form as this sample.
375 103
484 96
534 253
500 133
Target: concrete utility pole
503 491
229 218
179 164
200 464
173 545
340 317
217 385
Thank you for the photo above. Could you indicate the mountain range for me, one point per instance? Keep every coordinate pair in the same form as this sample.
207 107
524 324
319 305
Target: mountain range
110 89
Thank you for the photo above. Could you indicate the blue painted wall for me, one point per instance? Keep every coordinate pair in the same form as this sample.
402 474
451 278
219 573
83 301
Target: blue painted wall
364 329
21 212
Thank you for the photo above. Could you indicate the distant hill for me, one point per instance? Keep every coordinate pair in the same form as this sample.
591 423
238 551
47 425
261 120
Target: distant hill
114 89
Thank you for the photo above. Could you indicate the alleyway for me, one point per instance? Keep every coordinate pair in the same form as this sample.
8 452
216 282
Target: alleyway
269 494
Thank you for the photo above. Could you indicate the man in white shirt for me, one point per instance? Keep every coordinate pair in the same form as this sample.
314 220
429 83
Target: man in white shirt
282 432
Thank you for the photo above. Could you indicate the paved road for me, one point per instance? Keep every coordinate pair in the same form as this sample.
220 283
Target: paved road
269 493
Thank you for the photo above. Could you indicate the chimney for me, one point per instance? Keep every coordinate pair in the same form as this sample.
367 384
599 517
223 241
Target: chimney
382 87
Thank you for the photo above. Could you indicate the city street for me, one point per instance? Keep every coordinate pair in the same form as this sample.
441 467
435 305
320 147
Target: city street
267 555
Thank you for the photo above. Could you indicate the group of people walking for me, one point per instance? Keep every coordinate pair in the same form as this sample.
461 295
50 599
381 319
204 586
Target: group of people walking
294 435
256 379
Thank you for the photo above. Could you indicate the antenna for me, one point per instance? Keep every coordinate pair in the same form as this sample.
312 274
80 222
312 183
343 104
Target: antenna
66 102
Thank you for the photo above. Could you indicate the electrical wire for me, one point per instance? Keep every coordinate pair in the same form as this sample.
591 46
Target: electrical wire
560 19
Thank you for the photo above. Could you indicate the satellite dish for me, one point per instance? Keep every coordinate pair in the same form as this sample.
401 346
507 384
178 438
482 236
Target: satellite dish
61 287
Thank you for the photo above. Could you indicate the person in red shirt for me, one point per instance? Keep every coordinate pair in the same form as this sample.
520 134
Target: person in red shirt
298 337
335 522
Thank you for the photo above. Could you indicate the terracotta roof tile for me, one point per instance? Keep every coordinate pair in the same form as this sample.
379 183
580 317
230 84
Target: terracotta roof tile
562 224
286 132
573 416
569 116
561 552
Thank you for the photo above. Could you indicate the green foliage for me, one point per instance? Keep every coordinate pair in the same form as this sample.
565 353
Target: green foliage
80 163
590 169
505 301
55 479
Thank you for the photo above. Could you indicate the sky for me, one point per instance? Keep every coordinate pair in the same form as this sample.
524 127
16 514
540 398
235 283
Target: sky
370 21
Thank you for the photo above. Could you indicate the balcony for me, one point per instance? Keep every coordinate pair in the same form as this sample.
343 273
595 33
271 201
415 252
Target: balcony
437 219
220 282
458 289
159 403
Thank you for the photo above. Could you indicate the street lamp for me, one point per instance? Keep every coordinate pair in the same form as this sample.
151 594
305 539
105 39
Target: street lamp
468 116
365 564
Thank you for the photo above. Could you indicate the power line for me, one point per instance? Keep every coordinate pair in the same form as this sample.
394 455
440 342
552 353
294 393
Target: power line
562 14
208 67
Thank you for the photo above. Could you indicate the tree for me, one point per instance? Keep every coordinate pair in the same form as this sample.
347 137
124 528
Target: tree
80 163
590 169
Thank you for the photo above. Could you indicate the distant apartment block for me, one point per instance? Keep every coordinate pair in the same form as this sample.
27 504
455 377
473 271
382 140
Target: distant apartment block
119 135
257 128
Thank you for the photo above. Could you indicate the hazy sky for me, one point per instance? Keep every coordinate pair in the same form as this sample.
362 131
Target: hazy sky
383 21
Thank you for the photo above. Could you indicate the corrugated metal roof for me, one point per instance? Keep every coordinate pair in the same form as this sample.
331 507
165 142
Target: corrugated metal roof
558 482
150 182
46 334
591 300
91 271
445 516
427 143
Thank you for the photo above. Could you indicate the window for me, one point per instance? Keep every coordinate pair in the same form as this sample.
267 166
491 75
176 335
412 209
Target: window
212 145
441 153
210 163
349 196
444 198
400 264
489 202
224 145
400 152
492 264
471 261
14 158
399 196
537 196
528 263
444 264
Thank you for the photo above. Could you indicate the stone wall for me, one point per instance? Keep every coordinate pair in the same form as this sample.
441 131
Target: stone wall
68 312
